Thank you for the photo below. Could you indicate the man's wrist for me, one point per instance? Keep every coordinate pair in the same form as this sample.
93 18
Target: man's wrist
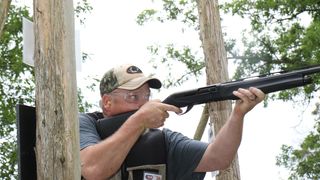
138 121
237 114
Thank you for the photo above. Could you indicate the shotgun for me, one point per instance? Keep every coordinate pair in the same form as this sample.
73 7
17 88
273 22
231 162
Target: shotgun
219 92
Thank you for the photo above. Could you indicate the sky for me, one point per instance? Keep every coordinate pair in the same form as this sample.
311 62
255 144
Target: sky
111 37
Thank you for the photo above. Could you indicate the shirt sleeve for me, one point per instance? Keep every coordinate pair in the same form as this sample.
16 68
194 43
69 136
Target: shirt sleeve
184 155
88 132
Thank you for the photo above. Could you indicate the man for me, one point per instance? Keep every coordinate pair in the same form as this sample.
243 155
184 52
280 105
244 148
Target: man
124 89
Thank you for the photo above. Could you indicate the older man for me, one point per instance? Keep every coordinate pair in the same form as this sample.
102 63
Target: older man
126 88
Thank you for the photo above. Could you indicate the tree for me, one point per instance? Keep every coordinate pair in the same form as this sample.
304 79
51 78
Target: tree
284 36
17 84
57 142
214 57
217 71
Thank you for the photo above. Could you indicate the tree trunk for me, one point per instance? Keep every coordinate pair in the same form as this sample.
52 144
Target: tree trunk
202 123
57 143
4 10
217 71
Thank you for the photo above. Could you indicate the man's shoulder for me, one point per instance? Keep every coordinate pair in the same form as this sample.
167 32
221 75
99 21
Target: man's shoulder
95 115
167 131
84 116
90 115
172 134
86 119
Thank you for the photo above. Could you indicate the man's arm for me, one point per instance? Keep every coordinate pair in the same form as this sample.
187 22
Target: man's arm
222 150
102 160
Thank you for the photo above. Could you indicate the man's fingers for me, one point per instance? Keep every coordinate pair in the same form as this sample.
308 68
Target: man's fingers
244 94
258 93
251 94
166 115
168 107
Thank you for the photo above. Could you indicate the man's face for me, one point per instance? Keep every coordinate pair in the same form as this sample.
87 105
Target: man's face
128 100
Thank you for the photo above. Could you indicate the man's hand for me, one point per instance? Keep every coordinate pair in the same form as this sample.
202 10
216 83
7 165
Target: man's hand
249 98
154 113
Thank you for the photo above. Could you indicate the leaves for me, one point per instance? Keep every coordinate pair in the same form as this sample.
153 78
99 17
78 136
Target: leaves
172 56
172 10
285 37
280 39
302 162
81 9
17 86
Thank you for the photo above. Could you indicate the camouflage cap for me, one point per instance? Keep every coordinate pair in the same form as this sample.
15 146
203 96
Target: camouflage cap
127 77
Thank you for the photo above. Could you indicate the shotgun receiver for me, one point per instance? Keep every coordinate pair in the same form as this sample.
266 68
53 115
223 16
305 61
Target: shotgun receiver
220 92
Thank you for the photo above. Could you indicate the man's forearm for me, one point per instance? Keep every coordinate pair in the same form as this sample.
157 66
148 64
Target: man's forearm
229 138
222 150
220 153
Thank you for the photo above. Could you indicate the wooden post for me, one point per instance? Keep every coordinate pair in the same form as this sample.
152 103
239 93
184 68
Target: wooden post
57 143
4 10
216 70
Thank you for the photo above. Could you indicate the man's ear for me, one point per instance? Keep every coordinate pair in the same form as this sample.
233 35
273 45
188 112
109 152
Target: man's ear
106 101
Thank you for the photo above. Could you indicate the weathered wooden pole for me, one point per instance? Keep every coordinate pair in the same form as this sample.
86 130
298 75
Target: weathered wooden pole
4 10
57 143
216 70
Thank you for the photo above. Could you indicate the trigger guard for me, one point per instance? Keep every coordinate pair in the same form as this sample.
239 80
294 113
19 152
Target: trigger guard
187 110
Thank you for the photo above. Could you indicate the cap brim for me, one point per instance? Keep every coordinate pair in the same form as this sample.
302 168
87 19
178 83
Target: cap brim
138 82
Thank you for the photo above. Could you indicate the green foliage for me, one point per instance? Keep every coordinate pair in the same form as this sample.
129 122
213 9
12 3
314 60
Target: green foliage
17 84
145 15
303 162
172 10
81 9
280 38
182 12
8 159
284 36
174 56
83 106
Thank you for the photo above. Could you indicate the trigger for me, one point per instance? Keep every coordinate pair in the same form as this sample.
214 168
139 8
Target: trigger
187 110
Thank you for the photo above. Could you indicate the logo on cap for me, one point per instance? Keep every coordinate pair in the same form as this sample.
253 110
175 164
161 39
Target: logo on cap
133 70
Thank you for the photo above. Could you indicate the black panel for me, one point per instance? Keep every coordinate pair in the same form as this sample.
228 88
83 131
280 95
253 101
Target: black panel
26 132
